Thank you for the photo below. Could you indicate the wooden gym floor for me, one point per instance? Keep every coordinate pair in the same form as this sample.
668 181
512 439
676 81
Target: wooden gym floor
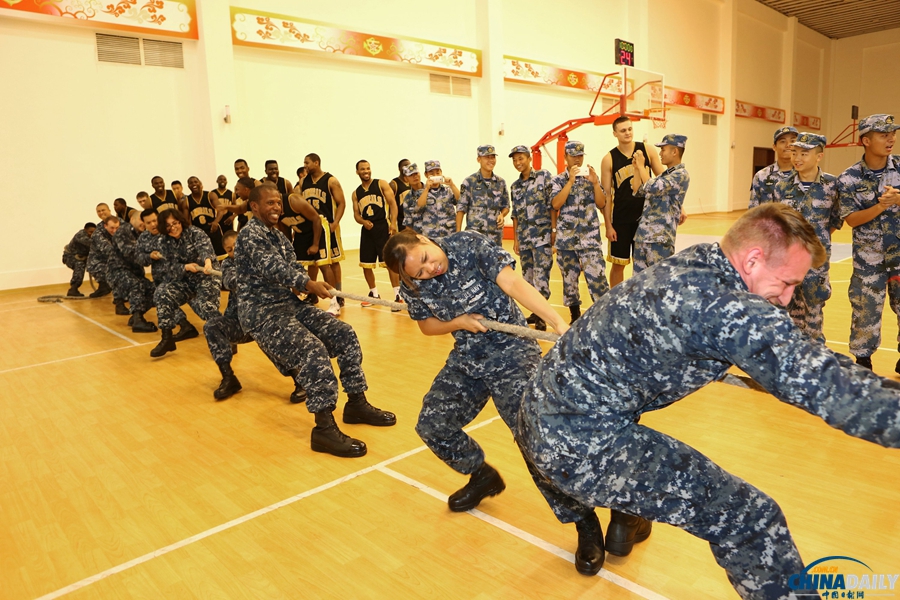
122 478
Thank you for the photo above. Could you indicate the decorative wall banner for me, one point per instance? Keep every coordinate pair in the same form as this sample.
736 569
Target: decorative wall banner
704 102
267 30
751 111
159 17
807 121
523 70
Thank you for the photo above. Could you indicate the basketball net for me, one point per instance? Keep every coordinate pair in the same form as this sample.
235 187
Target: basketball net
658 117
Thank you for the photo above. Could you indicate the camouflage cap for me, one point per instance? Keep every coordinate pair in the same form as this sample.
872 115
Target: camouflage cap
878 124
672 139
808 141
487 150
520 149
431 165
783 131
574 148
410 169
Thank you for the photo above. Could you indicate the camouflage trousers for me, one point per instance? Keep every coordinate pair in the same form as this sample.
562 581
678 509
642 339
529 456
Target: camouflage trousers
572 263
867 288
297 336
138 291
647 254
536 264
78 268
640 471
808 301
462 389
200 291
221 332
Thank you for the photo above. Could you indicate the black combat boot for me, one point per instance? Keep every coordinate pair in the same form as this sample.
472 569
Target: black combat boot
298 396
358 410
186 331
229 386
625 531
121 309
864 361
102 290
140 325
590 554
326 437
74 292
532 319
540 324
234 349
575 311
484 482
167 344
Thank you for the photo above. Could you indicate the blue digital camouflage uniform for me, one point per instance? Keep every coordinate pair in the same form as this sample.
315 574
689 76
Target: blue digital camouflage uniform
180 286
75 256
437 218
531 208
101 248
221 331
821 207
763 184
481 365
147 243
125 274
651 341
295 335
876 252
483 201
578 245
655 237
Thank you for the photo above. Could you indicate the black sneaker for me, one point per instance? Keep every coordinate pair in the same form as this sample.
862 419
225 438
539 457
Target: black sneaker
340 302
398 300
366 304
575 312
532 319
866 361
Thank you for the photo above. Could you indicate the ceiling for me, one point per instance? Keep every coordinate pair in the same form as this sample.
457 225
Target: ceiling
841 18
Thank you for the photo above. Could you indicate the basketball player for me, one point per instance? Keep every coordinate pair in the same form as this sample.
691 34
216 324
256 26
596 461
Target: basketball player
284 186
225 197
375 209
399 187
623 210
143 200
203 213
324 192
163 199
123 211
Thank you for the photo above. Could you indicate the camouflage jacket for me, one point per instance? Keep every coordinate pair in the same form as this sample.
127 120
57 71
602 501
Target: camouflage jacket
819 204
859 189
662 208
80 246
483 200
468 286
124 249
101 248
192 247
763 184
229 283
577 225
670 330
438 217
266 268
531 208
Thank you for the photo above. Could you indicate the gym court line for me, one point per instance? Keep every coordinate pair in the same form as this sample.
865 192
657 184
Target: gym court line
380 467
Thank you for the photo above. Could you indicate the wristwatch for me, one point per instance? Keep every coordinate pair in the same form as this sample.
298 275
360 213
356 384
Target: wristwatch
553 230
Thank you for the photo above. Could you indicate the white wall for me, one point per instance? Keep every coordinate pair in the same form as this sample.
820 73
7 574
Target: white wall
78 132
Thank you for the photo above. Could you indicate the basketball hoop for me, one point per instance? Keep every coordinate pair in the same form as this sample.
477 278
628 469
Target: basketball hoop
657 116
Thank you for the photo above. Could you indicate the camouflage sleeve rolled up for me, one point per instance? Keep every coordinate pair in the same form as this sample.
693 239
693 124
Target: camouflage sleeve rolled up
763 341
465 196
762 186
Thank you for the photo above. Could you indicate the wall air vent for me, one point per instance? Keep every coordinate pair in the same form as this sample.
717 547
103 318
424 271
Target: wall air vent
163 54
118 49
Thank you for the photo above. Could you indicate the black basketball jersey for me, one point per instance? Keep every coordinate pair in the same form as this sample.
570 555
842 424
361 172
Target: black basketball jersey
371 202
169 203
295 220
281 184
202 213
319 195
401 187
227 197
626 208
